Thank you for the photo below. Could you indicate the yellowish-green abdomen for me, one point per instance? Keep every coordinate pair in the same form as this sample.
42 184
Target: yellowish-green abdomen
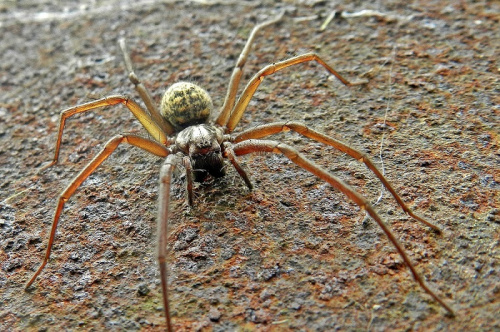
185 104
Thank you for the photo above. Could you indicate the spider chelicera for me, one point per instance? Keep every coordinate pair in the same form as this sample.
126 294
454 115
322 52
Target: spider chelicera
185 136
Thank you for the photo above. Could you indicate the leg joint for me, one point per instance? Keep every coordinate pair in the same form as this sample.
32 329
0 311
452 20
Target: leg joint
296 126
287 150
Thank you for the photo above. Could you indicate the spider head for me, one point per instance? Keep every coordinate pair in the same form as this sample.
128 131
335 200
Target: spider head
202 143
185 104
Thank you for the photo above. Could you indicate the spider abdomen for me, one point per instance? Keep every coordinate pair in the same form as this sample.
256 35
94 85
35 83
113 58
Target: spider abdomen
185 104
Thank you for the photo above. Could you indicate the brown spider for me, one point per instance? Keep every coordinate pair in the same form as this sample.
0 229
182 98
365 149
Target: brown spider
185 136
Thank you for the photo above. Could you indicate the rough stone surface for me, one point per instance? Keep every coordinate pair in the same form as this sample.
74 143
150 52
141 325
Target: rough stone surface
294 254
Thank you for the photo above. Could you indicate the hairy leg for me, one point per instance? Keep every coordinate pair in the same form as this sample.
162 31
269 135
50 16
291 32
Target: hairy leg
252 145
254 83
277 127
143 92
163 215
234 82
146 144
153 129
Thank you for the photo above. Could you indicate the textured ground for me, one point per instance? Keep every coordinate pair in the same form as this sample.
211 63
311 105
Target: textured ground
294 254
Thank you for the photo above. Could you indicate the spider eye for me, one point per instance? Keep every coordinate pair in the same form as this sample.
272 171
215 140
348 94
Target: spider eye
185 104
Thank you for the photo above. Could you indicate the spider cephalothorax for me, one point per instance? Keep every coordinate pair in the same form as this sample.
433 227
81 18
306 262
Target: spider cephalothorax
183 134
202 143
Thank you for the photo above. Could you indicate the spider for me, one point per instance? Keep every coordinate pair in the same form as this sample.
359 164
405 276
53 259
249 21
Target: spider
185 136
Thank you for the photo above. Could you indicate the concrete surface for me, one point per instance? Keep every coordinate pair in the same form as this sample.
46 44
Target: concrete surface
294 254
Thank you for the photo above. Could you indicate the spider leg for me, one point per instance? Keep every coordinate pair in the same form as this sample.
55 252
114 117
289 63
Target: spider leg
234 82
163 214
229 154
254 83
277 127
253 145
189 178
148 123
143 143
143 92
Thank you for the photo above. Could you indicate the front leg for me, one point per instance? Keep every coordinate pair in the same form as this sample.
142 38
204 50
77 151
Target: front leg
163 214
